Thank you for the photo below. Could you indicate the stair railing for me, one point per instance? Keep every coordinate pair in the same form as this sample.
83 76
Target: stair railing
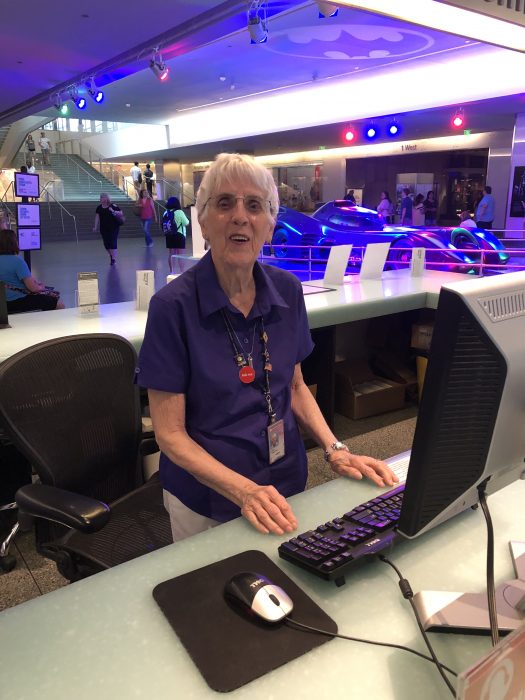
4 198
63 210
79 168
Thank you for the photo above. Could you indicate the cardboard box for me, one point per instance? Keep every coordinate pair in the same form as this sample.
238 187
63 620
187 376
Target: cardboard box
389 365
421 364
422 336
360 393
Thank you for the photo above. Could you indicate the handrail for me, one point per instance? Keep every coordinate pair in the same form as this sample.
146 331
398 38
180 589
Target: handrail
3 198
62 208
79 167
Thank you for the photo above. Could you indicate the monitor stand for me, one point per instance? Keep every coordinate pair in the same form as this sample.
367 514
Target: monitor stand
442 611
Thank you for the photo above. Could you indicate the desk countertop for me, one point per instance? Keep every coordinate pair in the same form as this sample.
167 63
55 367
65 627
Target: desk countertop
357 299
105 637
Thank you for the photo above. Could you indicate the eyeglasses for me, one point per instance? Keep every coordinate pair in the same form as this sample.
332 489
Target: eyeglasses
228 202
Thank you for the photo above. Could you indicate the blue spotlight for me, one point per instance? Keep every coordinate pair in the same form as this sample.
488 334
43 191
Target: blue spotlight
393 129
371 132
95 94
81 103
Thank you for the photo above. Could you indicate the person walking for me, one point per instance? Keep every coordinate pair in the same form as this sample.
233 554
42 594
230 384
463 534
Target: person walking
430 205
174 222
418 211
31 148
486 209
148 177
147 213
108 220
136 176
45 147
406 208
385 208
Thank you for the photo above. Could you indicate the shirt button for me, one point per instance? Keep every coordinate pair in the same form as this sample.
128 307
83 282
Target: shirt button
263 432
246 341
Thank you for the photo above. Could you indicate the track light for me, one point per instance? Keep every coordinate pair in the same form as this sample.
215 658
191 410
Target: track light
158 67
393 129
458 119
326 9
257 22
78 100
349 135
371 132
60 105
94 92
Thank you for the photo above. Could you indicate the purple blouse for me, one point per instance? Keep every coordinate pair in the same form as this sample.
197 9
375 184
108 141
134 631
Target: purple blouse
187 350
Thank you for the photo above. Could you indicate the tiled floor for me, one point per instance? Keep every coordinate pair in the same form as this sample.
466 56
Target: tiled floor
58 264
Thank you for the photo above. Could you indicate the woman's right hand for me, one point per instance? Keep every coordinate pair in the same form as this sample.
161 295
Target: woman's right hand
268 511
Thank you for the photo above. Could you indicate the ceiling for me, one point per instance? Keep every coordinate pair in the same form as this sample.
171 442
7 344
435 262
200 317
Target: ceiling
45 50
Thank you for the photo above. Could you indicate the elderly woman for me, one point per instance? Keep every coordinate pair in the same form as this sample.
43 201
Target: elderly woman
23 292
221 362
108 220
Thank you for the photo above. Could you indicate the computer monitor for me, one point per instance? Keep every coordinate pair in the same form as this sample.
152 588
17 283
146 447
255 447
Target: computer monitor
27 185
471 421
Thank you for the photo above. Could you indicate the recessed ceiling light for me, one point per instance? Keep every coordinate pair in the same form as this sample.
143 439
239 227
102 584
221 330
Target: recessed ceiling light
84 16
222 78
128 104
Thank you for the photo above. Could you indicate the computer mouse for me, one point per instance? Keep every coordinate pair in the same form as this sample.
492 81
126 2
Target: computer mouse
255 595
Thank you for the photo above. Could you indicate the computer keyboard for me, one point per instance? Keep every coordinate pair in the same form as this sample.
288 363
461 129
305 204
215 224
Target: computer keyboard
343 543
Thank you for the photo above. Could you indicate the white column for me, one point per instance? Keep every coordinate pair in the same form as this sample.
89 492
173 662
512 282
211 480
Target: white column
513 224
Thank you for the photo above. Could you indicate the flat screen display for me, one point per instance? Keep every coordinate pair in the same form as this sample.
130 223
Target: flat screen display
28 214
27 185
29 239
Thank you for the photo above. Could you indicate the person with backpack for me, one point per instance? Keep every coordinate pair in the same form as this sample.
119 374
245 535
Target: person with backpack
174 222
148 176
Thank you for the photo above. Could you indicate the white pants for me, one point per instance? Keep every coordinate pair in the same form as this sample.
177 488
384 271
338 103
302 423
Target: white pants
185 522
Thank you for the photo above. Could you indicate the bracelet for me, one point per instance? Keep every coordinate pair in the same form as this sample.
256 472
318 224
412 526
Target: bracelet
335 447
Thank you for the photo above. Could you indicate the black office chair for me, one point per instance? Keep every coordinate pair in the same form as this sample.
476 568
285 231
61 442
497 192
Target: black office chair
70 407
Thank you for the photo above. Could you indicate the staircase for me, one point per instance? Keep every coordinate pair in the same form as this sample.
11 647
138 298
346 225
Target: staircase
81 182
52 216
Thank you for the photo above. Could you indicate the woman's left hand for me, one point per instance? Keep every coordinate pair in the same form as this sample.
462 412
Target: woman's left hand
359 466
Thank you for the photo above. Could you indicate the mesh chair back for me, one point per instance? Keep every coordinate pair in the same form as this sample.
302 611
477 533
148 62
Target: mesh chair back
70 406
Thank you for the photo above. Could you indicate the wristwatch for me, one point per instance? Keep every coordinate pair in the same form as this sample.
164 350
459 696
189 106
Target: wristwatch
335 447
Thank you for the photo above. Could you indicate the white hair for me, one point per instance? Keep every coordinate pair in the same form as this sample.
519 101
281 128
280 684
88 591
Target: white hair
228 167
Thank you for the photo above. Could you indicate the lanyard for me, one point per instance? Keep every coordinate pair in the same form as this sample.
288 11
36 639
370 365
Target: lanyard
241 361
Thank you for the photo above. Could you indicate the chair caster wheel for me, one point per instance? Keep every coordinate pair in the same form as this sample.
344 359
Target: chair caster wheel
7 563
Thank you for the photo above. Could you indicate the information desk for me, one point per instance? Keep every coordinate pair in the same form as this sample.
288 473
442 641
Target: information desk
355 300
105 637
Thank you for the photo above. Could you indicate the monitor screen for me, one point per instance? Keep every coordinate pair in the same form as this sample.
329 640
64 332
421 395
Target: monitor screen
471 421
27 185
28 214
29 239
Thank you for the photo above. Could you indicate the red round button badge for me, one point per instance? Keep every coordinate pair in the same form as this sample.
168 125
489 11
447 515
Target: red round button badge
246 375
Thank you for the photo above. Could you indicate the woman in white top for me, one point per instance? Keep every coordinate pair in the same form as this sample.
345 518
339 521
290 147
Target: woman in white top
466 221
385 208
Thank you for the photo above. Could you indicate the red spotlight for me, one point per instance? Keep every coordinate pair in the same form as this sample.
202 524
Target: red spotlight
350 135
458 120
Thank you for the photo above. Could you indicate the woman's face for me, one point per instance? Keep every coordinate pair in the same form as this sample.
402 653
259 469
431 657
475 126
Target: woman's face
104 200
237 223
383 195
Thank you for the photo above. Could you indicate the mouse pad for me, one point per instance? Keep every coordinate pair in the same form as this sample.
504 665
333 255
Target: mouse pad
229 649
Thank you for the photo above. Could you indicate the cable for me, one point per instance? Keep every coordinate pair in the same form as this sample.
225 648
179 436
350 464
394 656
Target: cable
366 641
406 590
491 592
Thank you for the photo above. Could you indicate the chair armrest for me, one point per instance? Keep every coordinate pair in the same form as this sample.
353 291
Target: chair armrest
148 446
65 507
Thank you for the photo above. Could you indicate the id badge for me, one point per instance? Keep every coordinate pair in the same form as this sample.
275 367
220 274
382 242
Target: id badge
276 440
